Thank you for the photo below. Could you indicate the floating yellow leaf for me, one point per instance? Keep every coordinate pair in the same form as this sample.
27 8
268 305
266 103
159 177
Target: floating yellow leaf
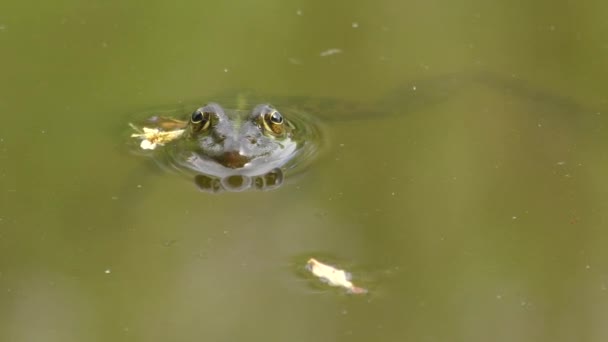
333 276
152 137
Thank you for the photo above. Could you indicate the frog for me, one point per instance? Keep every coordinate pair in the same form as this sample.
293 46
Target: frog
232 149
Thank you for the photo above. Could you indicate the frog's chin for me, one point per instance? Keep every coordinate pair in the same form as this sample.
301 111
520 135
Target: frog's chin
239 182
233 164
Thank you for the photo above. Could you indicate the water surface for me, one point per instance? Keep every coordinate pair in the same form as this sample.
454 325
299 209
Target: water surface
468 195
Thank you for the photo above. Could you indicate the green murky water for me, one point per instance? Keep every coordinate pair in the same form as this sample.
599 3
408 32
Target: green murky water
472 206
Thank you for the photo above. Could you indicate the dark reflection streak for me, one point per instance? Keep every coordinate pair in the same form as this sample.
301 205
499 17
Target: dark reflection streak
520 88
410 97
423 94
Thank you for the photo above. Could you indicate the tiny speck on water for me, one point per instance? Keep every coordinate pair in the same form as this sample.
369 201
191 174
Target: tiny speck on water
299 12
104 45
169 243
43 131
355 25
294 61
513 217
498 296
108 271
225 69
341 145
139 186
114 198
587 267
392 194
2 27
330 52
414 88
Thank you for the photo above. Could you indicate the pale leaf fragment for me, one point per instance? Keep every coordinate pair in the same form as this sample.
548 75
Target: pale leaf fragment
333 276
153 137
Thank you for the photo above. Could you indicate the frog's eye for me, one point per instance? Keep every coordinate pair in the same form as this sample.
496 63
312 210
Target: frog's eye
276 118
200 120
273 121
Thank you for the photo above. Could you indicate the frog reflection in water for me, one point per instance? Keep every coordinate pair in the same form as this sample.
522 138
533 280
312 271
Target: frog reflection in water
233 150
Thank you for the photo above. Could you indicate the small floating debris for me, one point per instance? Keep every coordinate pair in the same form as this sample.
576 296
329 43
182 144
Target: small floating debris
152 137
330 52
294 61
333 276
